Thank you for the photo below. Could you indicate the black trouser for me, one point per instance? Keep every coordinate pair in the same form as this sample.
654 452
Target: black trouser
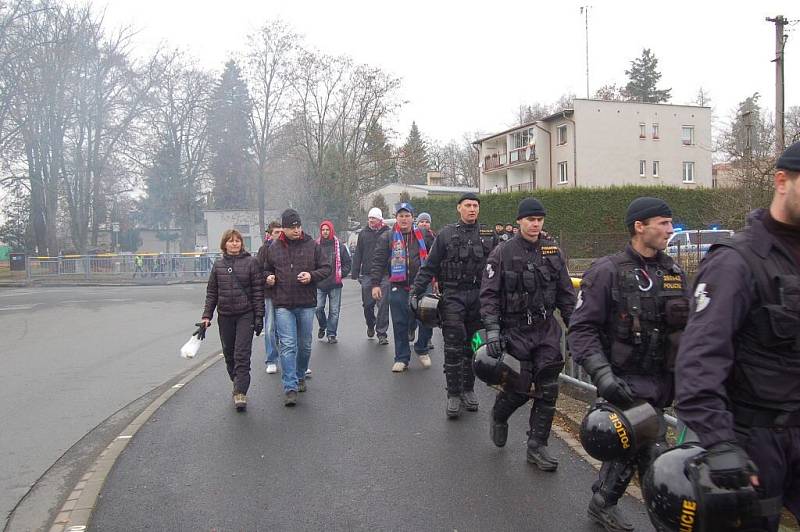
776 454
236 333
461 318
539 349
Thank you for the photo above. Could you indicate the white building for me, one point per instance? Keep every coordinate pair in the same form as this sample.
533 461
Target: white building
244 221
391 192
601 143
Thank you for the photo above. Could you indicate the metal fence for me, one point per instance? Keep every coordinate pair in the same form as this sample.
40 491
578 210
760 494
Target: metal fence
165 266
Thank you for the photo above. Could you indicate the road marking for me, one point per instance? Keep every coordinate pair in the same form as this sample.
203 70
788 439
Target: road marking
180 384
74 301
124 437
19 307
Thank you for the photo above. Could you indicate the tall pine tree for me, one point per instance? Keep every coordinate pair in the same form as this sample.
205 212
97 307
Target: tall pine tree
413 158
229 142
643 77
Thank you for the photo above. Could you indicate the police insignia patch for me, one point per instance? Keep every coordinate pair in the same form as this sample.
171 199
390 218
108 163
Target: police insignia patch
489 271
549 250
701 297
579 302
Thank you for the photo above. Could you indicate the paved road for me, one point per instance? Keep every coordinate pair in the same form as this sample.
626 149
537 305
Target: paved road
364 449
70 357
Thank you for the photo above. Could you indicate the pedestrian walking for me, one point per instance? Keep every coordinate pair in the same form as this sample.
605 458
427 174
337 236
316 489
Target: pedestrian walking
524 282
294 265
738 367
329 290
376 313
631 309
236 290
270 337
400 252
457 260
424 344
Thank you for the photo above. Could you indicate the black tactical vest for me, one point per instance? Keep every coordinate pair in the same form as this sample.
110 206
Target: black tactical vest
650 312
766 371
530 283
466 256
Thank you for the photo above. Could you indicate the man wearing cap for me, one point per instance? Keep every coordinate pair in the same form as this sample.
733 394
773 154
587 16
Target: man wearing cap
457 260
738 369
625 329
524 282
294 265
400 252
362 262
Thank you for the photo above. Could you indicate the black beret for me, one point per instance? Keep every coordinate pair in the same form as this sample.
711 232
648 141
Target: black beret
643 208
530 207
290 218
790 158
470 196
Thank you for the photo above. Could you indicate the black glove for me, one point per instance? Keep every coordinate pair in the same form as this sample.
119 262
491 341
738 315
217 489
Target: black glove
729 466
201 331
609 386
258 326
494 342
413 303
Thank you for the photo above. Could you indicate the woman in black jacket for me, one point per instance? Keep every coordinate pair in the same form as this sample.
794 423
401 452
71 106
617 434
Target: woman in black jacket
236 290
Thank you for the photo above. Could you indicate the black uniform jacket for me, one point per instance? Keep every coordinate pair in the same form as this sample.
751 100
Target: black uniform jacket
438 252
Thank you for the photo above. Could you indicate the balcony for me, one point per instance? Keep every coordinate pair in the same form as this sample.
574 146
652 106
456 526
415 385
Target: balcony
495 161
519 187
522 155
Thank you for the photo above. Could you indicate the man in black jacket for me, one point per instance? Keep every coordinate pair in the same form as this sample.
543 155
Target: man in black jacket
400 252
294 265
362 262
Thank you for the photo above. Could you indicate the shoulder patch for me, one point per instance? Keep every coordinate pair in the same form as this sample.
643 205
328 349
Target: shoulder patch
486 232
549 250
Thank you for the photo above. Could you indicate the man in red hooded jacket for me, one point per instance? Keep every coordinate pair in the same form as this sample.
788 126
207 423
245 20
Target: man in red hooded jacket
330 289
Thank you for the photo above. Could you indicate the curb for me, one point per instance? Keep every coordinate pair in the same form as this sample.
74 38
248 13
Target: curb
76 512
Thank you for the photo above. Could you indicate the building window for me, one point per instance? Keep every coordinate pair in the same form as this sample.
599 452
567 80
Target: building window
521 139
642 130
642 168
244 229
656 168
562 173
562 134
688 172
687 135
655 131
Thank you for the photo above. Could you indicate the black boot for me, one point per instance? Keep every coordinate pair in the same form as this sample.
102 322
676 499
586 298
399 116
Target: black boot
608 515
504 406
540 423
498 431
614 479
452 374
468 396
539 456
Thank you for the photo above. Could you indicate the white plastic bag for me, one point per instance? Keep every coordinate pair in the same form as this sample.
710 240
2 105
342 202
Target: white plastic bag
190 348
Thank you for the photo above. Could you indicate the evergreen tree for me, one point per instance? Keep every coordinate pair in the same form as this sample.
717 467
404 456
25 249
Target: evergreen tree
643 77
229 142
413 158
380 202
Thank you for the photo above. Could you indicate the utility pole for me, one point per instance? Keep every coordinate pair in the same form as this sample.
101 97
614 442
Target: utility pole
780 41
585 12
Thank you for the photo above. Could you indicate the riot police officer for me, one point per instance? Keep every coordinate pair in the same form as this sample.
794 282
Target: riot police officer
625 329
738 368
524 282
457 259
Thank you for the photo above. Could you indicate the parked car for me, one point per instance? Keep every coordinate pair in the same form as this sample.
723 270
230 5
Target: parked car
695 242
352 238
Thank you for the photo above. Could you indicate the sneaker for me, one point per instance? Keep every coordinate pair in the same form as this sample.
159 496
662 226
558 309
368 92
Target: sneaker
321 333
370 332
383 340
290 399
272 368
425 360
240 402
301 385
399 367
332 340
470 400
308 373
608 516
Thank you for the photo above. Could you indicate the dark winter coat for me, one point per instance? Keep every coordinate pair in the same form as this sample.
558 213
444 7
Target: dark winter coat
286 259
235 286
327 246
262 260
365 249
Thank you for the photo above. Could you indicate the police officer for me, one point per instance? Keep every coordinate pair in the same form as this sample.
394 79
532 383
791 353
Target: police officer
457 259
524 281
624 332
738 368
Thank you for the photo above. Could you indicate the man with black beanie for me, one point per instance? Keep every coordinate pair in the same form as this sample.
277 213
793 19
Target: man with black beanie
524 282
737 374
630 312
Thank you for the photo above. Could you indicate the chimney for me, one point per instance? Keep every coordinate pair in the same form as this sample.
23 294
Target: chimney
434 178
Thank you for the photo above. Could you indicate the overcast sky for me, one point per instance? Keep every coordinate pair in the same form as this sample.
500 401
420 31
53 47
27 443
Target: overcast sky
466 66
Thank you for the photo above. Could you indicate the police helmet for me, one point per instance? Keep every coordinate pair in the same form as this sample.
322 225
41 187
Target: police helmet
680 495
493 371
609 432
428 311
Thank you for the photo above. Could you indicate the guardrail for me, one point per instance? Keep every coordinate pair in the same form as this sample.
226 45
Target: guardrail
109 265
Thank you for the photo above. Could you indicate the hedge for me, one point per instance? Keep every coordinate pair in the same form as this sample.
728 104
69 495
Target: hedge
601 210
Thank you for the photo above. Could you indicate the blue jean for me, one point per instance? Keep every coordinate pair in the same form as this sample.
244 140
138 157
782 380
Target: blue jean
424 335
270 344
330 322
401 321
294 327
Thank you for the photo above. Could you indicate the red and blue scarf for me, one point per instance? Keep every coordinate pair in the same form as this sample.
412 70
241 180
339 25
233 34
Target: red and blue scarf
399 258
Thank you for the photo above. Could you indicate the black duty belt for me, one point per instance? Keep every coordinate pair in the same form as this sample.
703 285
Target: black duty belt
751 417
526 320
472 284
